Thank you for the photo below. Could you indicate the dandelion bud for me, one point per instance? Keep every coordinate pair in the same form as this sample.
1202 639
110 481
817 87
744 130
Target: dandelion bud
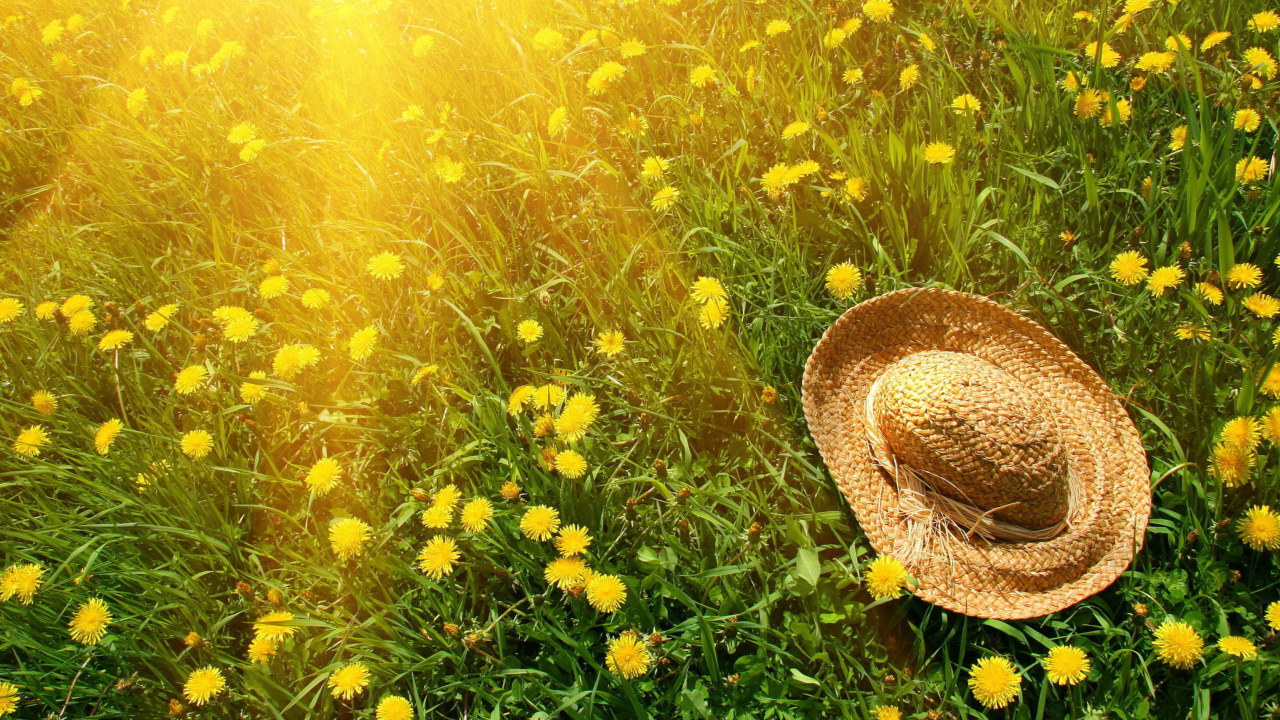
243 589
451 629
1139 609
660 468
275 597
684 493
420 495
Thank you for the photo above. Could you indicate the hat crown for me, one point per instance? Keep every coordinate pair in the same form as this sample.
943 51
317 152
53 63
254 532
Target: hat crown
976 434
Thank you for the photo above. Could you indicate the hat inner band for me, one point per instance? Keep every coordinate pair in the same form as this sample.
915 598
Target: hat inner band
929 512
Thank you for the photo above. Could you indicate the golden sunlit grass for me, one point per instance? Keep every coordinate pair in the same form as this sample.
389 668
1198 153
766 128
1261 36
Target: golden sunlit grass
443 358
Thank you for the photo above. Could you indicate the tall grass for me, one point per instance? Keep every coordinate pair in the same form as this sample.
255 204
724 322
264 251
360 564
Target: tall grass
711 503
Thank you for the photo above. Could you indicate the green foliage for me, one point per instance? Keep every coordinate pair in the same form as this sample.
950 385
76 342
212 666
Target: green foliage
711 503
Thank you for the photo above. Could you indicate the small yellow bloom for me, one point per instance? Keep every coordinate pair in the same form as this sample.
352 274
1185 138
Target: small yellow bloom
939 153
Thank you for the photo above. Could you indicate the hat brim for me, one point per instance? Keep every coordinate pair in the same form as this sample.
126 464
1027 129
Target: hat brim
1006 580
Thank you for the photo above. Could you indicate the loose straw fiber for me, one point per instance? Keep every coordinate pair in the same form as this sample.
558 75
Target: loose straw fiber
977 449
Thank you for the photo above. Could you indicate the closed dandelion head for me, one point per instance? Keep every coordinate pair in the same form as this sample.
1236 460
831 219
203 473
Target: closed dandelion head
385 266
565 573
89 624
606 593
476 515
204 685
573 540
843 281
509 490
349 681
438 557
628 657
885 577
1178 644
394 707
529 331
1066 665
540 522
323 476
1260 528
995 682
347 538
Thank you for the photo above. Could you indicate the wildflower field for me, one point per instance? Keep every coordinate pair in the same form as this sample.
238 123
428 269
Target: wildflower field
435 358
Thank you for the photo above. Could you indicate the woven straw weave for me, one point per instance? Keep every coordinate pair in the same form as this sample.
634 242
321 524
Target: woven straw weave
938 404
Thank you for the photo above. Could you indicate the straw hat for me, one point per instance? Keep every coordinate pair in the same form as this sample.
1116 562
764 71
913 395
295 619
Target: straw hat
979 451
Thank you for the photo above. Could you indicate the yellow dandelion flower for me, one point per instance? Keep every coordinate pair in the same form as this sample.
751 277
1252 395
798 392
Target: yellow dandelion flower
1210 292
1233 465
628 657
878 10
885 577
115 340
1260 62
315 298
573 540
30 440
540 522
82 322
275 626
196 444
252 392
702 76
46 309
548 396
1244 275
273 287
1251 170
323 476
1271 423
777 27
204 685
1262 305
1156 62
565 573
939 153
190 379
8 698
1260 528
908 77
424 372
853 76
10 308
529 331
44 402
21 581
437 517
438 557
291 359
1243 432
713 314
1066 665
1164 278
509 490
1265 21
843 281
476 515
855 189
242 133
347 538
995 681
1129 268
632 48
1273 615
394 707
966 104
1214 38
1247 119
1088 104
1237 646
361 345
610 343
89 624
604 76
349 681
520 397
706 289
606 593
1105 55
385 266
1178 644
106 434
260 650
795 129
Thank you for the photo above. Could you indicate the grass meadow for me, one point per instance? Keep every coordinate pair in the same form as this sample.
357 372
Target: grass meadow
340 257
